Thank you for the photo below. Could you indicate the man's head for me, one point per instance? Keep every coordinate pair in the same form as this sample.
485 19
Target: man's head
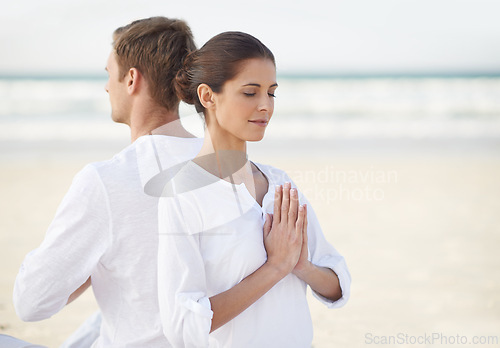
153 48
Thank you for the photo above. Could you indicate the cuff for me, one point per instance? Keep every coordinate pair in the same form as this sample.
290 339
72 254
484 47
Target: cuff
197 319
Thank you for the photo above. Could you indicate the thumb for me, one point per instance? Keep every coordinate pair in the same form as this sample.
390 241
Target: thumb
267 225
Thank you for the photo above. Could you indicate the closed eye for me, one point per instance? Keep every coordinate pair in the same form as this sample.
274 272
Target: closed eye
249 94
271 95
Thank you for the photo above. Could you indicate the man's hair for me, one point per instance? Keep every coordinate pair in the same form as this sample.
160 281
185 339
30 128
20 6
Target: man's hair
156 47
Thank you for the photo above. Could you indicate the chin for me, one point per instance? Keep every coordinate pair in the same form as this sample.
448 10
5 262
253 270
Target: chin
256 138
117 119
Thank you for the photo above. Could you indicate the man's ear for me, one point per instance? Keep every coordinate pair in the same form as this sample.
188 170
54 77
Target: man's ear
206 96
134 81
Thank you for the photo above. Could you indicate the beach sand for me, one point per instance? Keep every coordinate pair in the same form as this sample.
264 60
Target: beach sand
419 230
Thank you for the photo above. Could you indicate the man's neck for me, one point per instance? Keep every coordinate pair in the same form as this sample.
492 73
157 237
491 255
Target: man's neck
156 121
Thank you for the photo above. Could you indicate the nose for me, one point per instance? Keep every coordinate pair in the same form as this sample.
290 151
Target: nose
266 104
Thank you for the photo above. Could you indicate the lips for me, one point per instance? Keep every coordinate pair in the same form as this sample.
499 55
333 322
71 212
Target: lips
261 123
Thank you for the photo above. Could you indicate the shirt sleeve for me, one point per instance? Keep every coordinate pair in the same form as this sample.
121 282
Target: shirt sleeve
323 254
185 309
75 241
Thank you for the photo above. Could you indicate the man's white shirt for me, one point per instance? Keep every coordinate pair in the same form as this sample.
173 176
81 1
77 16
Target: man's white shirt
106 227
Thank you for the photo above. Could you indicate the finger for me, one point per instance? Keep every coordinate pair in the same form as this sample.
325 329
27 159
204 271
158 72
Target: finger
267 225
299 223
305 224
285 201
294 207
277 203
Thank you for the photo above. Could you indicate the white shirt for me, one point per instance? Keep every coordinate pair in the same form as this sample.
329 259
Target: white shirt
211 237
106 227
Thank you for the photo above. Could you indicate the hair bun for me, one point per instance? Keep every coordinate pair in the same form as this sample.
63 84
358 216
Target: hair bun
183 82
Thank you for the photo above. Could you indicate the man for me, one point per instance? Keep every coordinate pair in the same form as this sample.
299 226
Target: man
105 232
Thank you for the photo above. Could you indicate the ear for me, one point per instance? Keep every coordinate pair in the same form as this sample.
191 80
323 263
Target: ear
206 96
134 81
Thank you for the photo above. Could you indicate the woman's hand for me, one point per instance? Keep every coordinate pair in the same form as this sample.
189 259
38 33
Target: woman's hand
283 242
283 231
303 263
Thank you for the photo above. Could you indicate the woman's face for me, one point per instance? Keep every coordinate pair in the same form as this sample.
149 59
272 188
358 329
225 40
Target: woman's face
245 105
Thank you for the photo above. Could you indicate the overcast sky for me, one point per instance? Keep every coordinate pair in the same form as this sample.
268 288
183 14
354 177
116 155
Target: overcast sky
312 36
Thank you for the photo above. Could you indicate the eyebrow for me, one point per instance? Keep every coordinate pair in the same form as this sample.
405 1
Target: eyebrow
257 85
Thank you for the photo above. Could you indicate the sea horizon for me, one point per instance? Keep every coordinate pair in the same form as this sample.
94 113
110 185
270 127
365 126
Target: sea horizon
281 74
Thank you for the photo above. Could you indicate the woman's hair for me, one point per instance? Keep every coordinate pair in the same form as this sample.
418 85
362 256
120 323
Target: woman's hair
217 62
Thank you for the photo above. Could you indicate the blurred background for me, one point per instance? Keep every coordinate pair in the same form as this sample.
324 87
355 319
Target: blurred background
387 116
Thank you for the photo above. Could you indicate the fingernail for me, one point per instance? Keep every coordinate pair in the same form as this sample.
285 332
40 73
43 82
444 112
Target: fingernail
277 187
293 192
301 207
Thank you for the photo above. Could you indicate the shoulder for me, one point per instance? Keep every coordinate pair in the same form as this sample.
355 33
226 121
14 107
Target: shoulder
136 164
122 159
160 157
146 151
99 175
275 175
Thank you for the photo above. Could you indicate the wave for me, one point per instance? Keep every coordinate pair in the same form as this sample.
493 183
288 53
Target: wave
304 108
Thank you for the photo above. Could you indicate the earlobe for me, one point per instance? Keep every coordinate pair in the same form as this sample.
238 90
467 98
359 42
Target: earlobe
205 95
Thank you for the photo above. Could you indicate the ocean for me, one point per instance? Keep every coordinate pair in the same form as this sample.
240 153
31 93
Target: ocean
47 112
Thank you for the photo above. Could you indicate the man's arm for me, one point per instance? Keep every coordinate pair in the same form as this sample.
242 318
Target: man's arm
75 241
79 291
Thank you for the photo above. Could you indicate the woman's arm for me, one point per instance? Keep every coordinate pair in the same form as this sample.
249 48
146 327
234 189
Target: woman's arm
230 303
321 279
187 314
283 242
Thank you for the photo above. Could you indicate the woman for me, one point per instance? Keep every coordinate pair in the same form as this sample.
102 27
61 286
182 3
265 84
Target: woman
235 255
